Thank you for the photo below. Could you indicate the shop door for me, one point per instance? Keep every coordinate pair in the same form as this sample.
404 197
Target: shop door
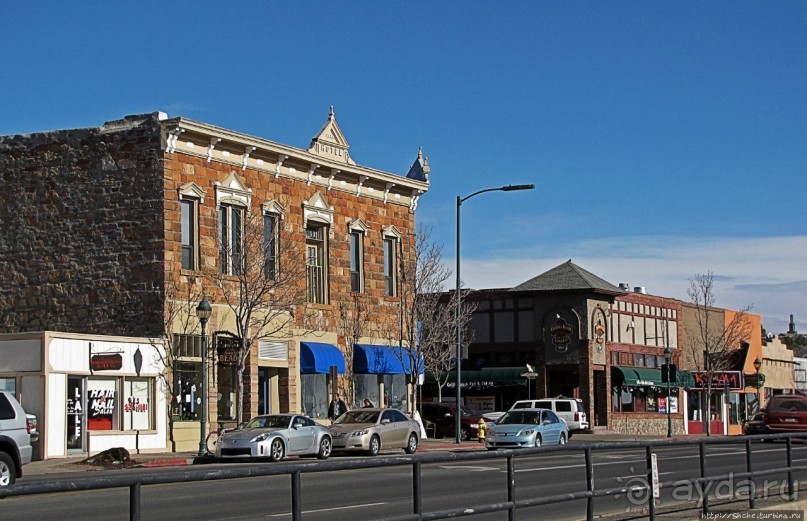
76 418
264 391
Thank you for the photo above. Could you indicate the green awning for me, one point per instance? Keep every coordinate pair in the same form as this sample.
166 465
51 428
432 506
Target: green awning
486 377
646 377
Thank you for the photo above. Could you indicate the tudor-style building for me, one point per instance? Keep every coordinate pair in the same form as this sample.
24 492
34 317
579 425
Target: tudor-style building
105 232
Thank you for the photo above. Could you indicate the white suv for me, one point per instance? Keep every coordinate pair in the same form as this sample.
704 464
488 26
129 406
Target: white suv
17 431
569 409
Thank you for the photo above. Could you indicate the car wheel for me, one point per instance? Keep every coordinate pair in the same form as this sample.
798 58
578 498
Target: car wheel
412 444
324 448
538 441
8 471
276 450
562 439
465 434
375 446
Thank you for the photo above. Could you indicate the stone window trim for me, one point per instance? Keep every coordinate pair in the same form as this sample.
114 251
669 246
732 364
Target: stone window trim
192 193
358 229
233 191
317 209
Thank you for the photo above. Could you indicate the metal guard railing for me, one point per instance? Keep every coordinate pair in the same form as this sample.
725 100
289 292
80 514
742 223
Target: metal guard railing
297 468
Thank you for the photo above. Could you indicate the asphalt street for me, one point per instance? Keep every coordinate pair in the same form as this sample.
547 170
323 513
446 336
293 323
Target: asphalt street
380 493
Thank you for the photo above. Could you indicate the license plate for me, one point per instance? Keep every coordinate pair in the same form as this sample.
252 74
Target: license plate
790 420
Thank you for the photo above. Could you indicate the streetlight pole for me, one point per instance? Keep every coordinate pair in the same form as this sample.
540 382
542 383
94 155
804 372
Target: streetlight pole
757 366
668 356
203 312
460 200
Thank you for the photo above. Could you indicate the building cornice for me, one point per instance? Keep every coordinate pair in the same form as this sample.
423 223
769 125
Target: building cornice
242 151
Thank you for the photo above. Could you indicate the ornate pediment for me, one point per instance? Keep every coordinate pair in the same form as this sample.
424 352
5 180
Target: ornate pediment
330 143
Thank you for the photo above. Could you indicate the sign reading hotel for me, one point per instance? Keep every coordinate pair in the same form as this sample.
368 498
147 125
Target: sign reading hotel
720 379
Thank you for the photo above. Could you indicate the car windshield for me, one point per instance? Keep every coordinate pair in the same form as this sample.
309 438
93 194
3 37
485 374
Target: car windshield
519 418
358 416
268 422
467 411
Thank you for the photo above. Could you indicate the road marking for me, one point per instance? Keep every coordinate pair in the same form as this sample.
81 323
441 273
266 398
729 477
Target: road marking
318 510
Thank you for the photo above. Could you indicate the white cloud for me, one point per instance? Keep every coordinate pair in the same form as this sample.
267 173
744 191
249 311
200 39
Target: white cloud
767 273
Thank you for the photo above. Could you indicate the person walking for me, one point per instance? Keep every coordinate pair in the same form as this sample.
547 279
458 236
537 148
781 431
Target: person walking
336 408
368 404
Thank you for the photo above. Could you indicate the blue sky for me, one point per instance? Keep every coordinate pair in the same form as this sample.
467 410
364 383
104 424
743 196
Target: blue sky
664 139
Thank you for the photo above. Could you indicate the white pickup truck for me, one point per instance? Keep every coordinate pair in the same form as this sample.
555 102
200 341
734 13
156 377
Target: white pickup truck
17 431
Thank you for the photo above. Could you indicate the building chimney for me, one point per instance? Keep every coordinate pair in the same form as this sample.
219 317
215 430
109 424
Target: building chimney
624 286
640 289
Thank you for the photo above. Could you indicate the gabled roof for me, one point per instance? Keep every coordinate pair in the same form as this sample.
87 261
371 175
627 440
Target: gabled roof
567 276
330 142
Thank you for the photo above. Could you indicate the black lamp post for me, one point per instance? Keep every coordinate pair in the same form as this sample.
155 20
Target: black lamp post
668 356
203 312
757 366
460 200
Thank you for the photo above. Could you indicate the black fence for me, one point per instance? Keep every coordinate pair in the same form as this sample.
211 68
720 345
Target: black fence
587 492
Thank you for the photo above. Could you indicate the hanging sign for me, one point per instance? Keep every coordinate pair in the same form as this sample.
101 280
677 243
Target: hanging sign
228 349
106 362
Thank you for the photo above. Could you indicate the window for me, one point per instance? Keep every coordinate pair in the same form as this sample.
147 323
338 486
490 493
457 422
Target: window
638 360
9 384
189 234
102 404
356 268
650 361
270 245
231 219
316 262
390 289
138 400
314 393
187 390
7 411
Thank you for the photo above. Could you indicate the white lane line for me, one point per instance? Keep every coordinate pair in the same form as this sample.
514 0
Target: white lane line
318 510
468 467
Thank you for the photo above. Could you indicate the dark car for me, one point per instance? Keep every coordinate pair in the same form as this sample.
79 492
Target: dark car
756 425
441 416
786 413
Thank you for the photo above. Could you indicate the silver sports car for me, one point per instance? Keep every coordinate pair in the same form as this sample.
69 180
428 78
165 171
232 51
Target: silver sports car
276 436
371 430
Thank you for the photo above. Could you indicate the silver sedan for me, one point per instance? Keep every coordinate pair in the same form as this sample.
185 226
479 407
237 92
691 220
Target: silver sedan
276 436
370 430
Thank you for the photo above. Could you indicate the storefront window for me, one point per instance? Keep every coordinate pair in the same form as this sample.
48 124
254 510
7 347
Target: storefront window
138 397
626 401
9 384
315 395
102 404
652 400
365 386
395 391
187 391
734 408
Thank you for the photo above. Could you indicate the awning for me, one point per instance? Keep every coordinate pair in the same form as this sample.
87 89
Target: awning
380 359
318 357
645 377
486 377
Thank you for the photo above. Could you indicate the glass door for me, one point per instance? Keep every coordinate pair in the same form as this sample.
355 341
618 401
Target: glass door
76 418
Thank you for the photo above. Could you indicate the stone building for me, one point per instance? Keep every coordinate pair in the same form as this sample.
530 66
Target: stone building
111 236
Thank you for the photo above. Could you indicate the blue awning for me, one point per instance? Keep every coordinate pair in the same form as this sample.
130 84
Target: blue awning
378 359
318 357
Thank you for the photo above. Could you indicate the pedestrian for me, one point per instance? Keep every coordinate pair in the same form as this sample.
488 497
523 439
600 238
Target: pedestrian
337 407
367 403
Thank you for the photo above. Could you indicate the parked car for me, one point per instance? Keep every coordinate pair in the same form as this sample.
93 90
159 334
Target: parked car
524 428
756 425
370 430
785 413
571 410
17 431
441 416
275 436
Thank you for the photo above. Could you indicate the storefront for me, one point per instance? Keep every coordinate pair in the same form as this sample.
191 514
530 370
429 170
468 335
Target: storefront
319 363
380 375
486 389
727 404
90 393
641 403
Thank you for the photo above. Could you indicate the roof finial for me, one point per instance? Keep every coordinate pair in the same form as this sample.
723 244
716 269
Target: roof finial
420 152
330 115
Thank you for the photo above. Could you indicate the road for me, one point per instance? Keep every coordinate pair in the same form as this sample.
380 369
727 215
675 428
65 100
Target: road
374 494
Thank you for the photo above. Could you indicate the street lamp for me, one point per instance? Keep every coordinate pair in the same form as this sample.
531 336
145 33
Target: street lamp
757 365
460 200
668 356
203 312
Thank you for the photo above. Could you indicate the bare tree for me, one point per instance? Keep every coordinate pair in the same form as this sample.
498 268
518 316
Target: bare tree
713 341
263 284
179 321
427 316
351 326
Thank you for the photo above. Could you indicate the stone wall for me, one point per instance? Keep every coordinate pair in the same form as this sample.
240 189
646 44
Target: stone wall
644 424
81 230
